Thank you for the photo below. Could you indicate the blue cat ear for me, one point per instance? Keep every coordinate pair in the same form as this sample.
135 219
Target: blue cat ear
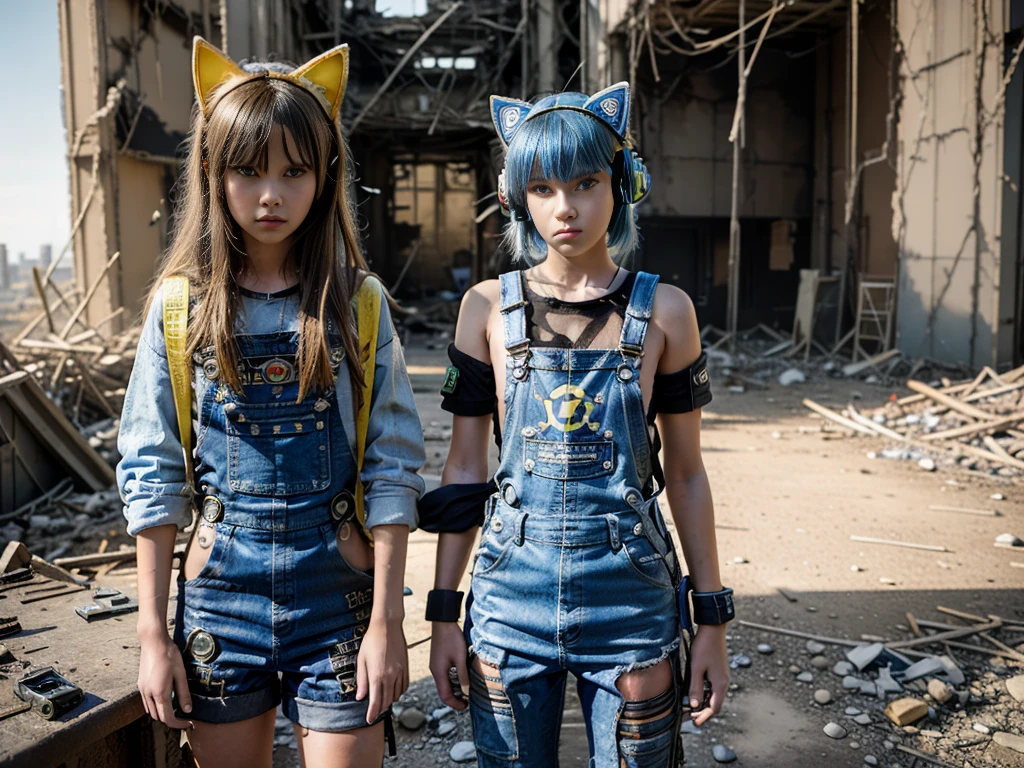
508 115
612 107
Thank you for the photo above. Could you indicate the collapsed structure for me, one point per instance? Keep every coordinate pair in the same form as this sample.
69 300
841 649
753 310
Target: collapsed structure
874 142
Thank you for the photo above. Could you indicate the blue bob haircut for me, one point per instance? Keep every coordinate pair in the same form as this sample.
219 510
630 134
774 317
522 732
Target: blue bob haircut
563 144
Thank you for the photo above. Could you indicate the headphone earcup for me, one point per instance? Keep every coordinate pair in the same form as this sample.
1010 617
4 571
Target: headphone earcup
640 179
632 179
505 203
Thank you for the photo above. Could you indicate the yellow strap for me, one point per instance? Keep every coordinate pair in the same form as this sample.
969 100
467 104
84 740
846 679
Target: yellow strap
176 340
368 299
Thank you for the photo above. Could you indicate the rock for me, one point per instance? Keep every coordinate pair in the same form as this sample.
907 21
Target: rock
739 660
929 734
814 647
722 753
740 560
856 568
863 719
823 696
690 728
1015 687
868 688
446 727
765 649
862 655
412 719
851 711
792 376
997 497
851 683
854 745
805 677
842 668
1008 540
940 690
927 465
956 677
834 731
462 752
981 728
886 683
929 666
870 760
906 711
1009 740
794 669
441 712
819 662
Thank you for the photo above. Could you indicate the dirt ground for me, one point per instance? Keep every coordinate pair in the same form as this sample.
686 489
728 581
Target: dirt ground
788 497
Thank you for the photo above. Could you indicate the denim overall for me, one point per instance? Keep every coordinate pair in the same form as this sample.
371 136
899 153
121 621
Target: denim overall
275 596
576 571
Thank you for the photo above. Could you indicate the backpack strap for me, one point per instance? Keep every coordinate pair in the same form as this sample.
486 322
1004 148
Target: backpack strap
175 291
368 298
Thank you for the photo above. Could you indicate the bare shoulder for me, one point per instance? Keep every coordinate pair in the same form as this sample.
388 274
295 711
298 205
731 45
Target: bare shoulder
676 317
474 314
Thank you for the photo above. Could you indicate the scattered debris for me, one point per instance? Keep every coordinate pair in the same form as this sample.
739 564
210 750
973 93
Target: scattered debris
906 711
722 754
835 731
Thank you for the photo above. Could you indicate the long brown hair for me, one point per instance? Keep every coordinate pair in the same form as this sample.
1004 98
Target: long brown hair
207 242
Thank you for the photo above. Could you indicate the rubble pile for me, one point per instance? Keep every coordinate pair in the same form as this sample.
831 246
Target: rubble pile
977 424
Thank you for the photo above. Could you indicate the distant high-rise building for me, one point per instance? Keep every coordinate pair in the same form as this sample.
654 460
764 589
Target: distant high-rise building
45 255
5 272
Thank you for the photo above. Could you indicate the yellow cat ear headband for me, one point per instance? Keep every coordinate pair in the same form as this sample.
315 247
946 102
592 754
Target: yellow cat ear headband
324 76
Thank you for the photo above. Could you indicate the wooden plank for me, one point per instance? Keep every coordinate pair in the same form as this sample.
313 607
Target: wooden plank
970 429
828 414
852 369
904 544
950 402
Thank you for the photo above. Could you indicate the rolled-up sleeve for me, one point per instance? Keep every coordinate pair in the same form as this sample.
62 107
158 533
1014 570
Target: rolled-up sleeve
151 473
394 440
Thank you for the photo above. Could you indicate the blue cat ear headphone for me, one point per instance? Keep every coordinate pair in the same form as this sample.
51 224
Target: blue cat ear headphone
631 181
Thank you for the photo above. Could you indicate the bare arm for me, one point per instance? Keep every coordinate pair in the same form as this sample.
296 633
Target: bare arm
689 497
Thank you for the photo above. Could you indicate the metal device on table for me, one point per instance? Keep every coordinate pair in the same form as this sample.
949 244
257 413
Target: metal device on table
49 692
108 602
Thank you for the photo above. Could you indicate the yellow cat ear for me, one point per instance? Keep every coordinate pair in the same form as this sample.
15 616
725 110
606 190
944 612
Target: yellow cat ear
210 67
329 72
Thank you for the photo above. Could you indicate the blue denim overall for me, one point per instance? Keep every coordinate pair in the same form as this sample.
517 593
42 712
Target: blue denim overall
576 571
275 598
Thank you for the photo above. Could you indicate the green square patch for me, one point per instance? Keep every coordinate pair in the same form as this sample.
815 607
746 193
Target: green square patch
451 378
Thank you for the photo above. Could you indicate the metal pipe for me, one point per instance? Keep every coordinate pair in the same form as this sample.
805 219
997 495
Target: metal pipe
734 223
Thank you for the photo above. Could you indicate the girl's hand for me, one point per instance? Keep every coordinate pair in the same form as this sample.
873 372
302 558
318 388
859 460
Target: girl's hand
161 670
382 672
709 659
447 650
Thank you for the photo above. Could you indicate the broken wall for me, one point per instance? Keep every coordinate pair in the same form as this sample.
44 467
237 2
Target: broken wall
948 210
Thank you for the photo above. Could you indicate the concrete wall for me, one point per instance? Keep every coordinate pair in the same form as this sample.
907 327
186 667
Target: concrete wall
949 284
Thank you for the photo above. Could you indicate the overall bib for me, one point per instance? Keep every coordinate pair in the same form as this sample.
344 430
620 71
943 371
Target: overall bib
576 571
276 613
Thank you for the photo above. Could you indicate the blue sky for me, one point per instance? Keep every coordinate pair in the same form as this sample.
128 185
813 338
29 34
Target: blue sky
34 205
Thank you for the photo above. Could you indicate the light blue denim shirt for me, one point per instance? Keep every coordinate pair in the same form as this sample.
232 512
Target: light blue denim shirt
151 473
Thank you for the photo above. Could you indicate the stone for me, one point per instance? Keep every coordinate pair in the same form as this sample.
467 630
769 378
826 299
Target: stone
814 647
851 711
1008 540
765 649
412 719
690 728
862 655
906 711
886 683
1009 740
956 677
928 465
462 752
851 683
870 760
794 669
722 754
819 662
834 731
842 668
739 660
868 688
792 376
929 734
997 497
940 690
823 696
1015 687
854 745
931 665
446 727
805 677
981 728
441 712
863 719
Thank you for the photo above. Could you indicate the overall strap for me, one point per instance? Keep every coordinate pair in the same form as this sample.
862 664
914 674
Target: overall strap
638 314
512 298
176 341
368 304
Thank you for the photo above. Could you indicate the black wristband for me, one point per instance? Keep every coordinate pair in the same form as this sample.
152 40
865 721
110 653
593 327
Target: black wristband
713 607
444 605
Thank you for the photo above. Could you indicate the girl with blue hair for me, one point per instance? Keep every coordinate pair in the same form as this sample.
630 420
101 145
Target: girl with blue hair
589 370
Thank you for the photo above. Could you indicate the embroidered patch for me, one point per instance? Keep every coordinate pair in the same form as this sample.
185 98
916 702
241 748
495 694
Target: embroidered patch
610 106
509 117
701 377
451 378
277 370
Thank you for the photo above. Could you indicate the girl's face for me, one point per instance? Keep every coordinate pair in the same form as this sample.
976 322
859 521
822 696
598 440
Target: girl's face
572 216
270 204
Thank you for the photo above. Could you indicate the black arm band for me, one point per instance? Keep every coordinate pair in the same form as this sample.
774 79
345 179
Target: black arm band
713 607
444 605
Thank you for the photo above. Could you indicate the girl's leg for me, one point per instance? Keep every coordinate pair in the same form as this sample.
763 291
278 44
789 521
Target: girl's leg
636 725
247 743
358 748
